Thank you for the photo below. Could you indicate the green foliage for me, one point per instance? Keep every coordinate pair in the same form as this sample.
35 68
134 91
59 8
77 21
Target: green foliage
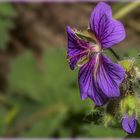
42 100
7 14
25 78
48 99
100 131
47 87
3 113
7 10
49 122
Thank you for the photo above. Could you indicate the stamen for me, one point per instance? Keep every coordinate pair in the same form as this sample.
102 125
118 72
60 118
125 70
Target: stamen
96 66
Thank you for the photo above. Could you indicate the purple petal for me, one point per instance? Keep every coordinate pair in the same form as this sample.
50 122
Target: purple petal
108 76
129 124
107 30
87 84
76 48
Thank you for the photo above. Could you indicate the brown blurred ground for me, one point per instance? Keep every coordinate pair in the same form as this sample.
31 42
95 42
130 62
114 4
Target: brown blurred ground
41 24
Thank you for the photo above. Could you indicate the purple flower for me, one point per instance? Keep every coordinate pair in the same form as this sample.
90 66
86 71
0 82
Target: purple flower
99 78
129 123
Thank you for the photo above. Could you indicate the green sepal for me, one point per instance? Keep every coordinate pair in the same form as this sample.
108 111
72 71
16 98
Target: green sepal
127 64
86 35
128 105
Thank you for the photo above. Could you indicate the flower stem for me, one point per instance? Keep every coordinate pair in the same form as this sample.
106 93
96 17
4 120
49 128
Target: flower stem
126 10
115 54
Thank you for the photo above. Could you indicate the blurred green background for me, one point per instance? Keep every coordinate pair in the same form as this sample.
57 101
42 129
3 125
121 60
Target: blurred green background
39 94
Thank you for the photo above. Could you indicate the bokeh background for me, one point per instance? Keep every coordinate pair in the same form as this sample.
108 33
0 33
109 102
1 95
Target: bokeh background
39 95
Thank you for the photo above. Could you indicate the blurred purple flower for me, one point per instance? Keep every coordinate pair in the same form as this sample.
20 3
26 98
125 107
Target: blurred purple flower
99 78
129 123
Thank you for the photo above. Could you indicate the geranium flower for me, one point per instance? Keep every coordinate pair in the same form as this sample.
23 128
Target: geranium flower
129 123
99 78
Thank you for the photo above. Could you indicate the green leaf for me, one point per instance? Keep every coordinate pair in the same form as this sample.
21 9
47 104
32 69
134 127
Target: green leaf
99 131
7 10
46 125
25 77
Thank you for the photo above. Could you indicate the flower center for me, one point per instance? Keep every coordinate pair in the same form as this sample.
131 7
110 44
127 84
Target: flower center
95 48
